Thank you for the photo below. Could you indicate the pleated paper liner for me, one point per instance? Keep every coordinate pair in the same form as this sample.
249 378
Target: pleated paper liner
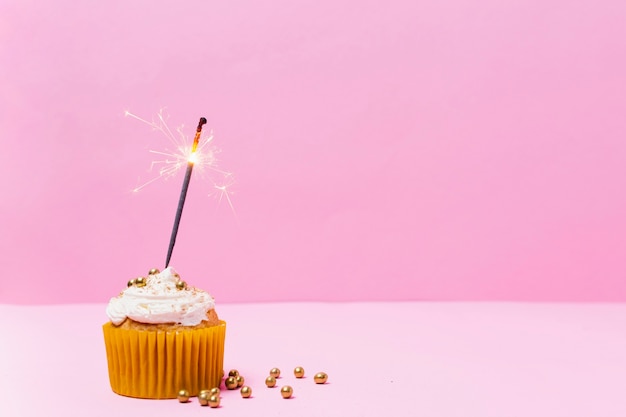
157 364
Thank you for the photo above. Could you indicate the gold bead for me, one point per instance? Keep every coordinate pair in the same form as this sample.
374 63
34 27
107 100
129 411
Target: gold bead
239 380
270 381
132 282
286 391
233 372
231 382
320 378
140 281
203 398
214 391
246 391
153 271
222 374
183 396
298 372
181 285
275 372
214 401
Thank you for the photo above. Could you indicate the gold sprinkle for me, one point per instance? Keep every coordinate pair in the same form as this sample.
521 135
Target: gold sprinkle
203 398
286 391
246 391
231 382
298 372
320 378
270 381
183 396
214 401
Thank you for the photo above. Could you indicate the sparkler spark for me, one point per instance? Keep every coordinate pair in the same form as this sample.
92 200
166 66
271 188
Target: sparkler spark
178 153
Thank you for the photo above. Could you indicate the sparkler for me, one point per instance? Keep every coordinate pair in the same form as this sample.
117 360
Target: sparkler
183 191
201 154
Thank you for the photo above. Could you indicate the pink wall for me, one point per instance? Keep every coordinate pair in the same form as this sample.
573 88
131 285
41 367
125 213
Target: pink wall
446 150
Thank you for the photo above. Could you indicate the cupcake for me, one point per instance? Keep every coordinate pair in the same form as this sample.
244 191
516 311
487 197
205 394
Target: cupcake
163 336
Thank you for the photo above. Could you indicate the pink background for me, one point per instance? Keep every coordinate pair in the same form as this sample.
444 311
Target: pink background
400 150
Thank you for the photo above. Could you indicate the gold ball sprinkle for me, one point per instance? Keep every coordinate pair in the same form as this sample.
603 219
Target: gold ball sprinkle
275 372
203 398
183 396
132 282
214 401
214 391
153 271
270 381
240 380
298 372
286 391
140 282
231 382
320 378
233 372
204 392
181 285
246 391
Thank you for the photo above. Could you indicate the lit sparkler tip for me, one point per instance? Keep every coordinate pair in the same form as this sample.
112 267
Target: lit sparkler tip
200 153
201 123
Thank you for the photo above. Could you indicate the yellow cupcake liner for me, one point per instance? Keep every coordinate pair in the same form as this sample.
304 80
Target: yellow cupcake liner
158 364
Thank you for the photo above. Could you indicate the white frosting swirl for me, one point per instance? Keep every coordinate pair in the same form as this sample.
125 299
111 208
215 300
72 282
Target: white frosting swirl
159 301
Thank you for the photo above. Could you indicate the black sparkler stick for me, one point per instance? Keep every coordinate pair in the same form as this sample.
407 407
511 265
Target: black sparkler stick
183 192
